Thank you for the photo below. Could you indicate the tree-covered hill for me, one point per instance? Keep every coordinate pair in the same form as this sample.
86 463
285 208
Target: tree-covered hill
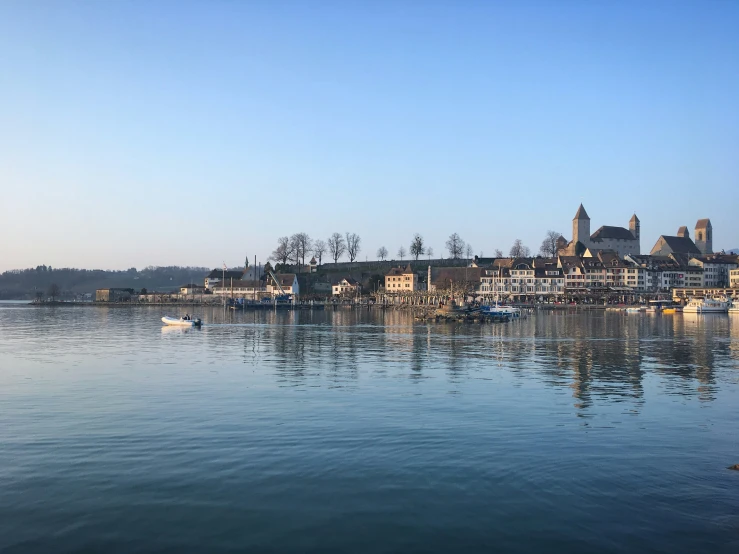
24 283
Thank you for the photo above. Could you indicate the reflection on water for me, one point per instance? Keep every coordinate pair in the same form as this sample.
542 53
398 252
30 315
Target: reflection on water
359 430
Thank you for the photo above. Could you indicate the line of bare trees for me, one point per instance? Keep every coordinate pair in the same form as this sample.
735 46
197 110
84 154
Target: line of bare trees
294 249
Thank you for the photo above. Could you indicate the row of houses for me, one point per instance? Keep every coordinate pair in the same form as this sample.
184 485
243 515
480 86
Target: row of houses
595 270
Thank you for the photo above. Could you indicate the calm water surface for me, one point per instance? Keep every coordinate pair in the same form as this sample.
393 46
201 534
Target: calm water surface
346 431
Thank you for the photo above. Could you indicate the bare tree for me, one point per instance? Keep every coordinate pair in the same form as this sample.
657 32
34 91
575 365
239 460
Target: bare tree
518 250
336 246
303 245
468 250
430 252
402 253
295 252
319 248
549 244
382 253
417 248
283 252
353 245
455 246
498 253
54 291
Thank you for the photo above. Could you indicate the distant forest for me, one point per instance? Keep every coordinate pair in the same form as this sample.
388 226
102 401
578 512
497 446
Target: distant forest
26 283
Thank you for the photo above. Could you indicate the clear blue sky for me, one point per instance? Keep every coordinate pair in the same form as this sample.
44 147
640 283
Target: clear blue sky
244 121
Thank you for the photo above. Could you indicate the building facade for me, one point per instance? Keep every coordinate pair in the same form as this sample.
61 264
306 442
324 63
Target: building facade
218 275
734 278
716 269
288 282
240 288
521 279
704 236
400 279
346 287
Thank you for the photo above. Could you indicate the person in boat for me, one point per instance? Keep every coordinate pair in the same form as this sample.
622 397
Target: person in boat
187 317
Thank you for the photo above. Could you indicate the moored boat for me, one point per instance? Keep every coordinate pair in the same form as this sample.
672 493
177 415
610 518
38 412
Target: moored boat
706 306
181 321
501 310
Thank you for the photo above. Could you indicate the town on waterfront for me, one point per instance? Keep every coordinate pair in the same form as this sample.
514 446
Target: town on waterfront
601 268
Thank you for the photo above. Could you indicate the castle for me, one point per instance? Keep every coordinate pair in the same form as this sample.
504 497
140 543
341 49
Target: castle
683 244
619 239
626 241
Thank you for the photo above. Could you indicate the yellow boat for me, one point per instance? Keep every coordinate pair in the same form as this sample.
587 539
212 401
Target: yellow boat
669 311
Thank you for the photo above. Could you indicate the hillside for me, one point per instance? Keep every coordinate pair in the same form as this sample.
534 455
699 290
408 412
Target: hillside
22 284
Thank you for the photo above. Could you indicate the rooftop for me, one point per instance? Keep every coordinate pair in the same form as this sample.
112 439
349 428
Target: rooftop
399 271
608 232
581 213
681 245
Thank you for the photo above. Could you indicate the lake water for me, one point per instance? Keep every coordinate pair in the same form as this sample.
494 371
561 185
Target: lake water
357 431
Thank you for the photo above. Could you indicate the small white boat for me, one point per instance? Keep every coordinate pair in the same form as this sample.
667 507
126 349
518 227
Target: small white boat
633 310
706 306
501 310
182 322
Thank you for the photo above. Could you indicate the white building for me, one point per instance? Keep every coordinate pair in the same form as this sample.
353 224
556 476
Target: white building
521 278
239 288
288 283
346 287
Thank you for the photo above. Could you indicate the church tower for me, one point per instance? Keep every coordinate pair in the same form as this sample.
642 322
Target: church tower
634 227
704 236
581 227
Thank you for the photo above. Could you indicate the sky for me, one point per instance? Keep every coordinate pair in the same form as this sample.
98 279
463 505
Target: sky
140 133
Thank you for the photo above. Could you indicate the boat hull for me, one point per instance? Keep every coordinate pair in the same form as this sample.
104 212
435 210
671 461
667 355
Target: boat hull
179 322
702 310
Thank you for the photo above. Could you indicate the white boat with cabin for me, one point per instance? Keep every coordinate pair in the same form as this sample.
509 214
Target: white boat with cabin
501 310
707 306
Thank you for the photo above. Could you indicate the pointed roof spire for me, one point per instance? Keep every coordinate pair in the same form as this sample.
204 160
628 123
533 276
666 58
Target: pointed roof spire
581 213
634 218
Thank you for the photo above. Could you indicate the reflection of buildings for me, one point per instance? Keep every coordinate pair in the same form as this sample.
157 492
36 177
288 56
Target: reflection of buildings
734 335
603 358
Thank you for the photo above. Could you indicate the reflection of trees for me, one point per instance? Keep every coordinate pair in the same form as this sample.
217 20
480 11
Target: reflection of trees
602 357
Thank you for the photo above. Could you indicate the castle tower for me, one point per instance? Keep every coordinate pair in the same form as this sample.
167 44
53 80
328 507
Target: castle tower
635 228
704 236
581 227
682 232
